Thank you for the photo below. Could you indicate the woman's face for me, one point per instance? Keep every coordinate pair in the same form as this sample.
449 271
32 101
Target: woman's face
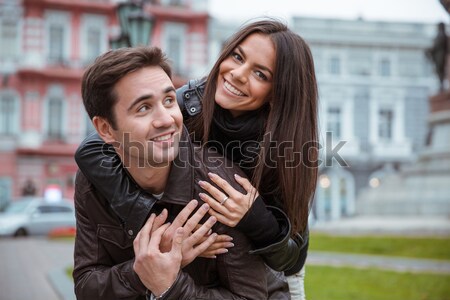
245 77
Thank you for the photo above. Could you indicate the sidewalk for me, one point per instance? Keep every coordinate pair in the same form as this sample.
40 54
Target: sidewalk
26 264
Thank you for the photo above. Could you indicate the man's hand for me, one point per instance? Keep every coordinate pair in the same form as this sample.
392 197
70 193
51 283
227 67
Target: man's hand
157 270
199 238
179 221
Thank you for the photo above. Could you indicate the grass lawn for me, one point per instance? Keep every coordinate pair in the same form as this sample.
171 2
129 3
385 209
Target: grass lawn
329 283
434 248
69 271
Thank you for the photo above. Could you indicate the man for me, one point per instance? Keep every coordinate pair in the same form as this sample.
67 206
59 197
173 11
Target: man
132 102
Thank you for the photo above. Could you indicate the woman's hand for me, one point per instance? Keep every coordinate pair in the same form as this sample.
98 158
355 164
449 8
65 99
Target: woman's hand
228 205
219 246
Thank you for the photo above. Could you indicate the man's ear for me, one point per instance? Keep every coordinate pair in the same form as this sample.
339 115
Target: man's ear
104 129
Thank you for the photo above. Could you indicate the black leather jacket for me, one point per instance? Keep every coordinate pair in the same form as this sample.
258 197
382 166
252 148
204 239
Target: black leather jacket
269 232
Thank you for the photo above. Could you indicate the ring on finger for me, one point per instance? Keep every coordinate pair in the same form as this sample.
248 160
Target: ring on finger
224 200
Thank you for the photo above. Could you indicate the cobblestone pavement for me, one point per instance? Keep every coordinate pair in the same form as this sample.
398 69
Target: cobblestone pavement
25 265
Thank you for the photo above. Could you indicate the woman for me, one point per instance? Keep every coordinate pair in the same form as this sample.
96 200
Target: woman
258 107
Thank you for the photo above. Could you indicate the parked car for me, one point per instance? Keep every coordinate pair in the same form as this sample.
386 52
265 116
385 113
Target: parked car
35 216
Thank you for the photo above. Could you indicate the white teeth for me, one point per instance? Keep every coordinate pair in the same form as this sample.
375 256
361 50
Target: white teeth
232 89
163 138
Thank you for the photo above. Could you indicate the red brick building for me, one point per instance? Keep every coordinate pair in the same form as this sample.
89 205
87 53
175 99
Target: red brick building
45 46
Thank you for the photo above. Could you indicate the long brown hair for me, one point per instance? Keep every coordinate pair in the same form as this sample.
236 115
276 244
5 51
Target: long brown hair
291 126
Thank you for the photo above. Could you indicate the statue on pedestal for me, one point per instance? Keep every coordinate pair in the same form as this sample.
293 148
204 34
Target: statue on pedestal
438 54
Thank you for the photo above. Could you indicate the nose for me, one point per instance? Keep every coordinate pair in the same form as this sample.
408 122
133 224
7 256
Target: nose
240 73
162 118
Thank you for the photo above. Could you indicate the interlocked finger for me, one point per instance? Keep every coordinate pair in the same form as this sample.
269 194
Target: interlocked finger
184 214
195 219
202 231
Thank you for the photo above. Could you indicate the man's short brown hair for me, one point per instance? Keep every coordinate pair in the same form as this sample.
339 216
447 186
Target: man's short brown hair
100 78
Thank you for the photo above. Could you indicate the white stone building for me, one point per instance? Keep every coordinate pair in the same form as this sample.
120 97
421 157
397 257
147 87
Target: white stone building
374 84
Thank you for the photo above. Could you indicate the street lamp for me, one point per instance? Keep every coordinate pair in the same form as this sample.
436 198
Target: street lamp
135 25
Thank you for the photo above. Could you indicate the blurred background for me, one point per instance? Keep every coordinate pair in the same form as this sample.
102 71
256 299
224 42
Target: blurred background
384 120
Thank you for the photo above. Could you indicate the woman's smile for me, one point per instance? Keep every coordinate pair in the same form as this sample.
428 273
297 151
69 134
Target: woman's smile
230 88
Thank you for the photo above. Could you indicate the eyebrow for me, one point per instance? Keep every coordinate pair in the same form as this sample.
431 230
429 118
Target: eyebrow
149 96
257 65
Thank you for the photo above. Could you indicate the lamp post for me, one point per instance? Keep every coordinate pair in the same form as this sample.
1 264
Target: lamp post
135 25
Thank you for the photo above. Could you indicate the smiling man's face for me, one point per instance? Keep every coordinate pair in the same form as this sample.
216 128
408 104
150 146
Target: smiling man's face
148 118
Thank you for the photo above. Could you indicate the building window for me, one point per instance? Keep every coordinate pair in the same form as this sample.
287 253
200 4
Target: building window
172 2
93 37
9 38
174 41
93 43
56 43
8 115
409 64
335 195
335 65
334 124
176 2
57 33
55 118
359 62
385 124
5 191
385 67
343 196
173 51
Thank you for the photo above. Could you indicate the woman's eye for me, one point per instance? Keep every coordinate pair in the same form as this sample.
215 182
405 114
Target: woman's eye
261 75
236 56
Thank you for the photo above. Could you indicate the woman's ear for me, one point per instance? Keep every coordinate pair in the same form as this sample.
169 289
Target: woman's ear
104 129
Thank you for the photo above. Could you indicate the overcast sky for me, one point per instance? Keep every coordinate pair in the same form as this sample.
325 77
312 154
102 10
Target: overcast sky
428 11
